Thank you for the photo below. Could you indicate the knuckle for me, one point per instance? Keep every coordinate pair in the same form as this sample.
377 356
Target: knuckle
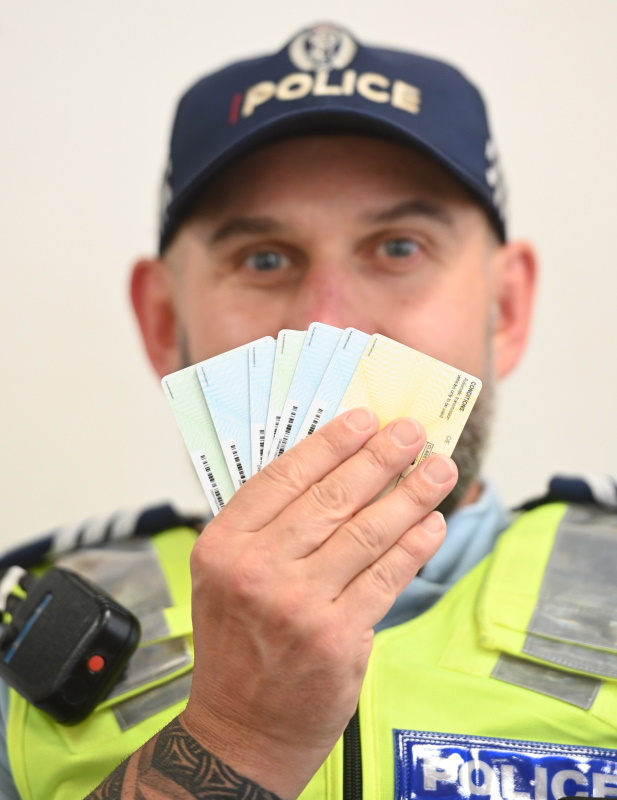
288 471
332 494
204 556
383 576
196 562
368 532
415 549
418 491
218 529
377 456
332 436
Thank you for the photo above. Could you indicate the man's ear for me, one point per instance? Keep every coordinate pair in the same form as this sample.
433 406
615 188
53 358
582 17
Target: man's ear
514 276
154 302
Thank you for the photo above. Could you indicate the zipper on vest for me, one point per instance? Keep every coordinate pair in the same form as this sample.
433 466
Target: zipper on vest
352 760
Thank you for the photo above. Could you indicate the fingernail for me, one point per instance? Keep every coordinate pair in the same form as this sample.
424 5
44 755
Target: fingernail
360 419
439 469
406 432
434 522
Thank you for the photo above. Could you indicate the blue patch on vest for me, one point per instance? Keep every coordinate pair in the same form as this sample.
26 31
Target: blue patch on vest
443 766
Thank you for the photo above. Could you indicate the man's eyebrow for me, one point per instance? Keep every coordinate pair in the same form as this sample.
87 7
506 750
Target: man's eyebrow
239 226
414 208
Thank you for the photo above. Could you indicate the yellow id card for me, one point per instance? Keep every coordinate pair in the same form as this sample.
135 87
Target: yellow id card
397 381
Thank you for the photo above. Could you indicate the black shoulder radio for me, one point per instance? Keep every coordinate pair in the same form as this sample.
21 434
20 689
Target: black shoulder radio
64 642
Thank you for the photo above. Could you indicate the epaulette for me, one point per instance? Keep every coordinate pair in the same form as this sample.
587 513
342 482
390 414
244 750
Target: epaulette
117 527
595 490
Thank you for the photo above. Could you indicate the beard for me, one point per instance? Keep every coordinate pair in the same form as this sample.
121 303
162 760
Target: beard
471 445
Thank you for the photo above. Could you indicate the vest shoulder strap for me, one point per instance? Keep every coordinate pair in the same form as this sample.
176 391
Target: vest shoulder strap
591 489
98 531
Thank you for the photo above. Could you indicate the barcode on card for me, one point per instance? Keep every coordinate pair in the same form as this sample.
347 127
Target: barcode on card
211 479
288 427
262 442
238 463
315 421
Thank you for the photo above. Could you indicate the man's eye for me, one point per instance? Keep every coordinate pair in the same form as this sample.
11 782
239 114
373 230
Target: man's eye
266 261
400 248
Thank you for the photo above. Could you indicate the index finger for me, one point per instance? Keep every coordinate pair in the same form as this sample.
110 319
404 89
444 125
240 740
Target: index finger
266 494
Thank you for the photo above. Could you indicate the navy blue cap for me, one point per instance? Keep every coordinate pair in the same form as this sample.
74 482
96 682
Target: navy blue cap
324 81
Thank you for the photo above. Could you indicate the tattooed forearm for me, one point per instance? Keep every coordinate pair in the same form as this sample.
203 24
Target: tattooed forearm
179 757
173 765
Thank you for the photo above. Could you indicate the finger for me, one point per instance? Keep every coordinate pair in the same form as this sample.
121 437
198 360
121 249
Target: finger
369 597
266 494
326 505
375 529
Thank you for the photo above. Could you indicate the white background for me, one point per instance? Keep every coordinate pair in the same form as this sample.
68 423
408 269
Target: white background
87 92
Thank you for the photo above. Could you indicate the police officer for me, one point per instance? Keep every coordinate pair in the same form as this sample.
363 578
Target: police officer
357 186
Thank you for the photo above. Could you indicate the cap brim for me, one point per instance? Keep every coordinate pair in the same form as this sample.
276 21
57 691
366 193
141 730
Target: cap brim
314 122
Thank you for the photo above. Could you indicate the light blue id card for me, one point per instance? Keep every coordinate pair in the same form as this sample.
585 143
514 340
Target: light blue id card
333 385
224 382
319 345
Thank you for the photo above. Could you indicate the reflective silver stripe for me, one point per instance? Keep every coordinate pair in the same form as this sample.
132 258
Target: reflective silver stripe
131 712
578 690
94 531
65 538
575 620
603 488
153 662
153 625
124 524
572 656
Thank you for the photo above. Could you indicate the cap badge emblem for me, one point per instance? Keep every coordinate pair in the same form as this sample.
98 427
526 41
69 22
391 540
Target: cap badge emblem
322 48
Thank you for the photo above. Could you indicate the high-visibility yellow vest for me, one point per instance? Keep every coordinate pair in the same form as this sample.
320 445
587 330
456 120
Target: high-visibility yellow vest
521 653
506 688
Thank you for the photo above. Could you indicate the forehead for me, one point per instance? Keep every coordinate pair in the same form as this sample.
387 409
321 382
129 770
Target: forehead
356 169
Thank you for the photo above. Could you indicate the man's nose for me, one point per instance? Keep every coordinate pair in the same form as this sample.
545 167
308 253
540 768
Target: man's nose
332 294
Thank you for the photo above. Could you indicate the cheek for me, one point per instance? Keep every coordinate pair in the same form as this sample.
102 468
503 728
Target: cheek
217 320
450 326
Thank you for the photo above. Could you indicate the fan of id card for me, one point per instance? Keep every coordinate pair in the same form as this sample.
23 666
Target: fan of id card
240 410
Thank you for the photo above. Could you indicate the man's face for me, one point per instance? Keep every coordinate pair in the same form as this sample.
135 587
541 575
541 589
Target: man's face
350 231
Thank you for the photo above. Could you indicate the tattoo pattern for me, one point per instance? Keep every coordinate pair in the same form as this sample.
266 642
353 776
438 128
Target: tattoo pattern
174 759
178 756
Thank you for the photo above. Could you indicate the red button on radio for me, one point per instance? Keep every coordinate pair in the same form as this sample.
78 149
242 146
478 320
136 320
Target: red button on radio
96 663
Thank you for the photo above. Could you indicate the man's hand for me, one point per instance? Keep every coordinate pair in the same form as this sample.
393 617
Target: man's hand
288 582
